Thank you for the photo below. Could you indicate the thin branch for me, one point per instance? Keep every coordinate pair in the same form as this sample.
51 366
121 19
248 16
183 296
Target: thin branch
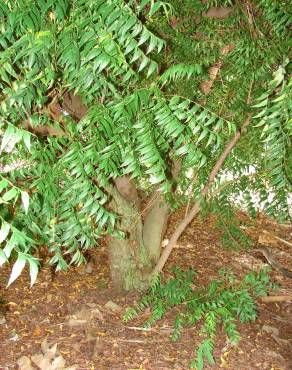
139 328
197 206
280 239
277 298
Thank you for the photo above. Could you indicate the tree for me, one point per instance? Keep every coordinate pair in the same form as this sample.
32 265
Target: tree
92 118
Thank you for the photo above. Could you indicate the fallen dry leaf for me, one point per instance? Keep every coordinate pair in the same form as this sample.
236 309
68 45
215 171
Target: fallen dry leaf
218 13
207 85
214 70
24 363
266 238
76 322
49 298
49 352
112 306
270 330
101 333
173 21
58 362
41 362
13 304
46 361
224 359
95 313
37 331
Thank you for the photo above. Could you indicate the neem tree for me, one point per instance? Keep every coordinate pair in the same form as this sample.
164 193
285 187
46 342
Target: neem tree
89 122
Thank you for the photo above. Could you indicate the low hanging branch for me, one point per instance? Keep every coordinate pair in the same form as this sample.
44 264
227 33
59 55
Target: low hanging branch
196 207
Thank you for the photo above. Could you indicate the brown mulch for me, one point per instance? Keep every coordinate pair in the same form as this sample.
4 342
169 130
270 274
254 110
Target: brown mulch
58 309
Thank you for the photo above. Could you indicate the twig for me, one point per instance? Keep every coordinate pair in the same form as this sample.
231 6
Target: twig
125 340
274 263
276 237
138 328
277 298
287 224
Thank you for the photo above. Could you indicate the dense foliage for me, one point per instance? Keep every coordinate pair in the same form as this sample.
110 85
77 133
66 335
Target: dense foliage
129 63
223 302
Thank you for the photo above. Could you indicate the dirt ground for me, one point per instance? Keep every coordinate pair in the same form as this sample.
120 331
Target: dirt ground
79 311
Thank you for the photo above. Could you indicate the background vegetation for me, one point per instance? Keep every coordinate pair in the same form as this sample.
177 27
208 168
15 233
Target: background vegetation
92 91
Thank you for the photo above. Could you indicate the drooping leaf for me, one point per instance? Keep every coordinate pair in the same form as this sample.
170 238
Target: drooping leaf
25 200
16 269
4 231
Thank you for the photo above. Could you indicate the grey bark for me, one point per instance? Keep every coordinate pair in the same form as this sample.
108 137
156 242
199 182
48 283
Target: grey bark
155 226
129 261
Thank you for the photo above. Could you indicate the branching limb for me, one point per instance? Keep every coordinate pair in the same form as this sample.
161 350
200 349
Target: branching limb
196 207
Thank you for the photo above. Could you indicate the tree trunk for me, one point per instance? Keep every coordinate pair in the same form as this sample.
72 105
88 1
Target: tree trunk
157 218
129 261
155 226
132 259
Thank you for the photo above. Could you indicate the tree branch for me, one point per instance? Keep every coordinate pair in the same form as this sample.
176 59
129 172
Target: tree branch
277 298
196 207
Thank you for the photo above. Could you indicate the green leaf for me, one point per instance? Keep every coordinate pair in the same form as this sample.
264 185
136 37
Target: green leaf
143 64
8 135
33 270
4 231
26 139
17 269
11 194
3 184
261 104
3 258
25 200
144 37
203 135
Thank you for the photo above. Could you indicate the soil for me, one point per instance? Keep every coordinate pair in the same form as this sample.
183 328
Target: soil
73 310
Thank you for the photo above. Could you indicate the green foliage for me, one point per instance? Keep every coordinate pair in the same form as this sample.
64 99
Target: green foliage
275 119
179 71
140 79
278 15
233 237
224 302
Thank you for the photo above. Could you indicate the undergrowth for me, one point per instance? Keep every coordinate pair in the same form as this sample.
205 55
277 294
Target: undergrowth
225 302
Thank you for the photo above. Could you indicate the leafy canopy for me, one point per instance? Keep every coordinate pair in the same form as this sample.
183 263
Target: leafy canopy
142 114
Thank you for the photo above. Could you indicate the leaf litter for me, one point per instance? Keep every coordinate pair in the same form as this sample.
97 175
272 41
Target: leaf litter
74 319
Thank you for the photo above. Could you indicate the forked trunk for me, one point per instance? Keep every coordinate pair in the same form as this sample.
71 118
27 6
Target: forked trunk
133 258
